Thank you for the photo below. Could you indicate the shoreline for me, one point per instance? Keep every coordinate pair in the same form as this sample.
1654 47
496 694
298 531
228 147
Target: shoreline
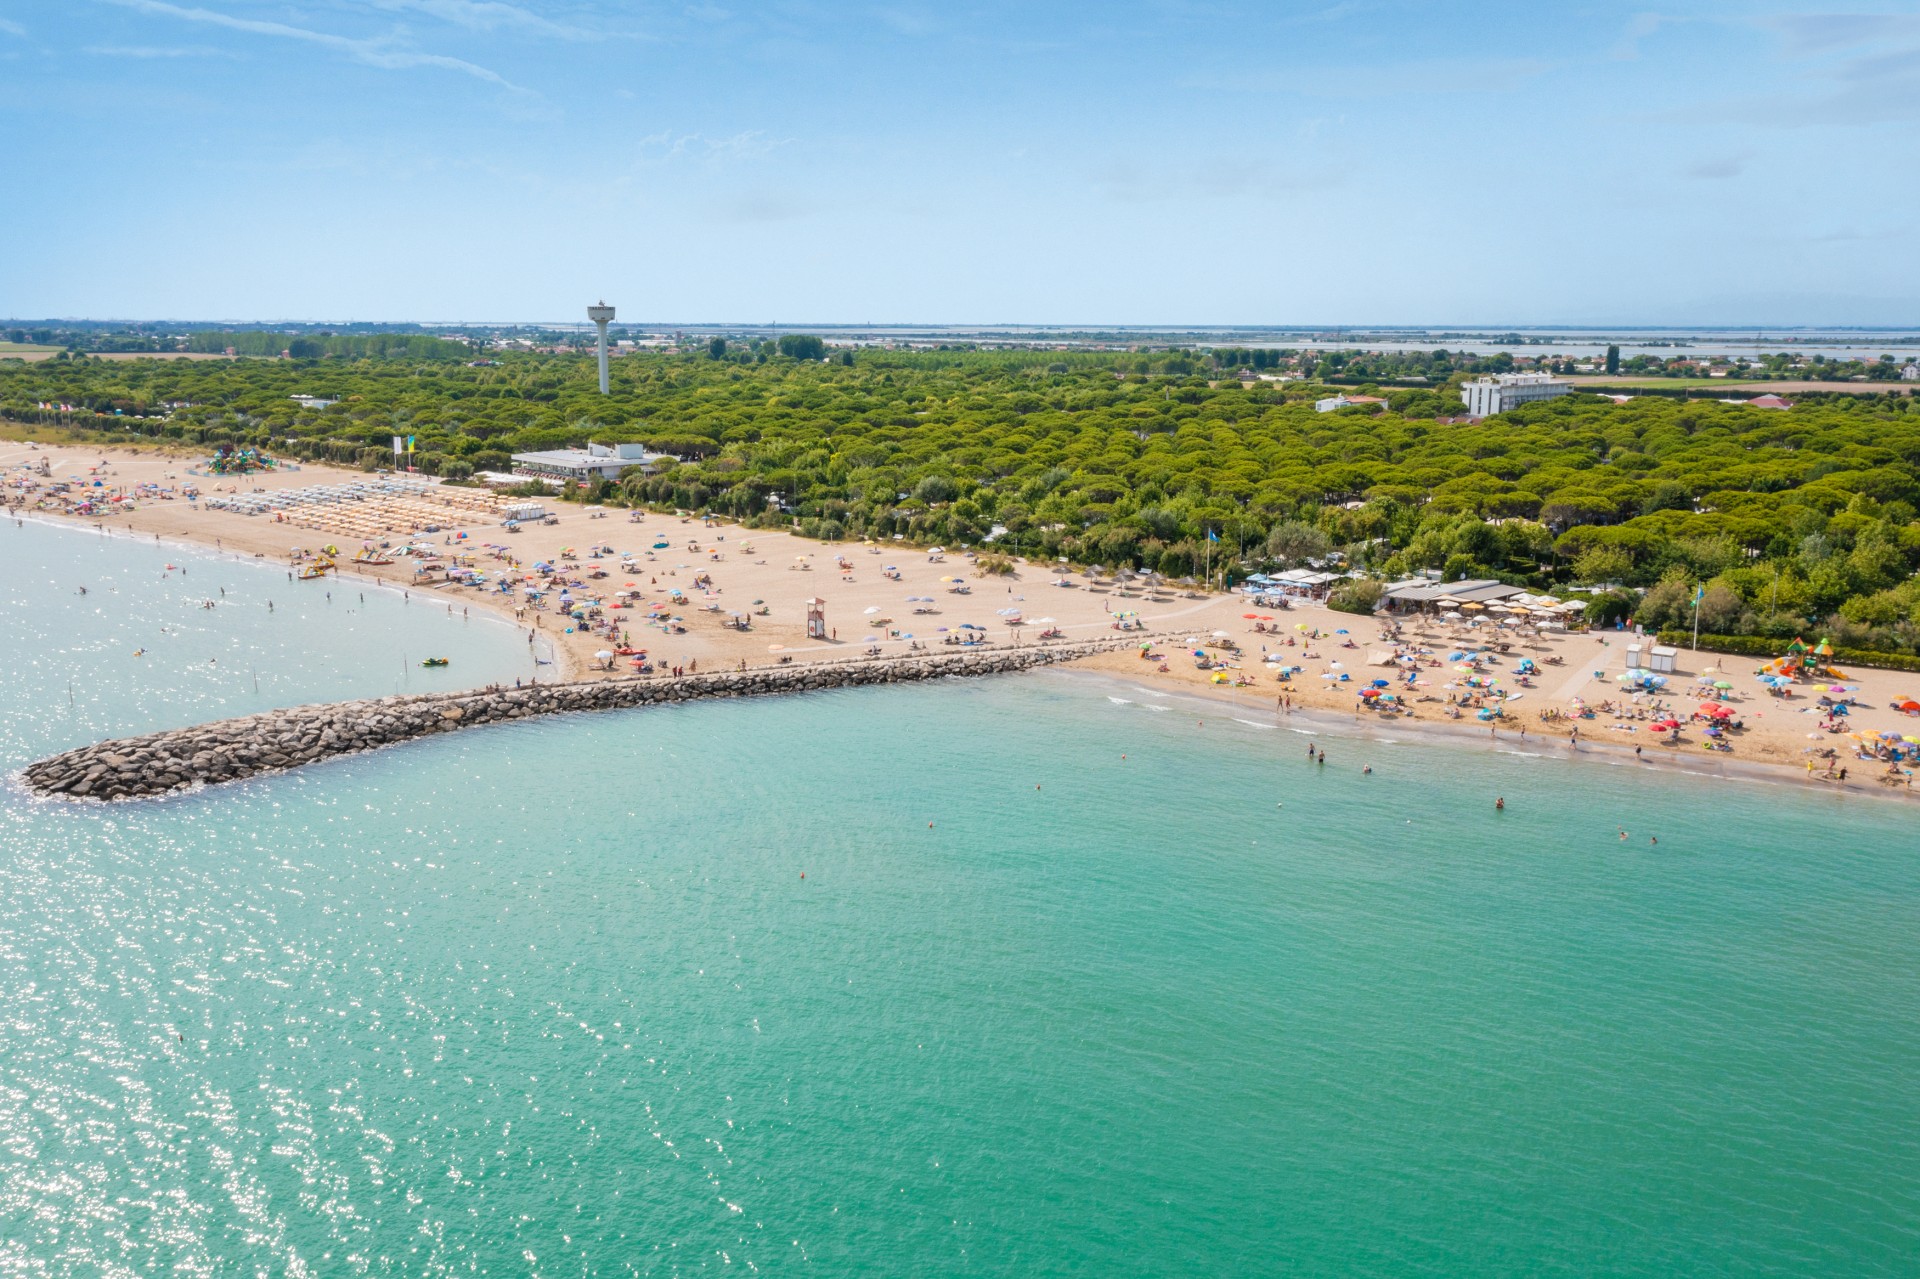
1315 721
562 660
1775 746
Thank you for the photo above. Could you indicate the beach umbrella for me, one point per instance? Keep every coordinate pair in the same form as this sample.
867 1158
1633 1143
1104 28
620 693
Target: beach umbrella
870 610
1341 631
776 648
603 654
1720 683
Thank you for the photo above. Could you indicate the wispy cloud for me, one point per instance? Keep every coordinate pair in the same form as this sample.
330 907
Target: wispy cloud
379 52
12 28
1393 79
153 51
746 145
1125 181
1723 167
485 15
1627 49
1876 78
1825 32
905 20
758 206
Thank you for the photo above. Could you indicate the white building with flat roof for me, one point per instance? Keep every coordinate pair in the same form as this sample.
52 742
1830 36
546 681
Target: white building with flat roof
1490 395
594 462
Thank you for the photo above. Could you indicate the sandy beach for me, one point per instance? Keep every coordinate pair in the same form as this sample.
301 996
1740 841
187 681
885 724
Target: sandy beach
893 598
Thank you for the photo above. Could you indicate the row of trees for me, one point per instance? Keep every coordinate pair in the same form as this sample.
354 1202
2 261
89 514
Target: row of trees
1793 520
347 346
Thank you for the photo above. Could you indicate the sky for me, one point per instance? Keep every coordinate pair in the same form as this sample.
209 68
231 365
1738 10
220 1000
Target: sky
1353 162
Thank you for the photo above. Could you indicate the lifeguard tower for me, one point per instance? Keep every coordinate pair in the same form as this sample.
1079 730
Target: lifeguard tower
816 619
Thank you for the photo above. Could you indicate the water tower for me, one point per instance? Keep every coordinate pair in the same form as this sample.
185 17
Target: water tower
602 316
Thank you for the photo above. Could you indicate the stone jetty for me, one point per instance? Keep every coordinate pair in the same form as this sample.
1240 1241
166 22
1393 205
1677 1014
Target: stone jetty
231 749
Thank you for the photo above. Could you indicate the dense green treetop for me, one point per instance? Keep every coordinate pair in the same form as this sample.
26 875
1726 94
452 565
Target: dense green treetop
1790 517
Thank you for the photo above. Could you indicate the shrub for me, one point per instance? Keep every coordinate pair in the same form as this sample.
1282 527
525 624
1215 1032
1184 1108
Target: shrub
993 566
1759 646
1360 596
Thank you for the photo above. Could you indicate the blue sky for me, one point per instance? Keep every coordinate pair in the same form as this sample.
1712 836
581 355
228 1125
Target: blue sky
1331 162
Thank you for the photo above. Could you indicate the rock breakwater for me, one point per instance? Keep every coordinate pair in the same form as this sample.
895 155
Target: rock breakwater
232 749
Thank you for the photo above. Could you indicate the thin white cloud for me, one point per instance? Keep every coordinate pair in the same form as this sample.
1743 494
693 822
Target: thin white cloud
13 28
485 15
1851 70
1723 167
1392 79
154 51
374 53
739 146
1642 26
906 21
1822 32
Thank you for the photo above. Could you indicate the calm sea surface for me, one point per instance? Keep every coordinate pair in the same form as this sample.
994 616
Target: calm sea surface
918 981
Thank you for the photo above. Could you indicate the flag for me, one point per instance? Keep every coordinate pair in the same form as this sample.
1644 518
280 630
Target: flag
398 446
1699 593
1212 536
410 444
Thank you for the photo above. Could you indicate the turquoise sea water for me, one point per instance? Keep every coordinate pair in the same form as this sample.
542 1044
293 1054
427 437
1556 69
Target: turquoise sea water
554 998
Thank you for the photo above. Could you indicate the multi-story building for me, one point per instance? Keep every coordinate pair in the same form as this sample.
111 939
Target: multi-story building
1490 395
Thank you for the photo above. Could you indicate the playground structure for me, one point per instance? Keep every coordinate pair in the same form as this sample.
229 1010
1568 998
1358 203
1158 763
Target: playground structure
230 459
1804 662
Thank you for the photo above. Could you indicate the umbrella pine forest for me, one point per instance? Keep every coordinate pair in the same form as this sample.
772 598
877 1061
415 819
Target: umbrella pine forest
1793 521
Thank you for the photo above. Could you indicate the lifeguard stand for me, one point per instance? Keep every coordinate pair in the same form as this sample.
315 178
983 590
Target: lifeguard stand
816 619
